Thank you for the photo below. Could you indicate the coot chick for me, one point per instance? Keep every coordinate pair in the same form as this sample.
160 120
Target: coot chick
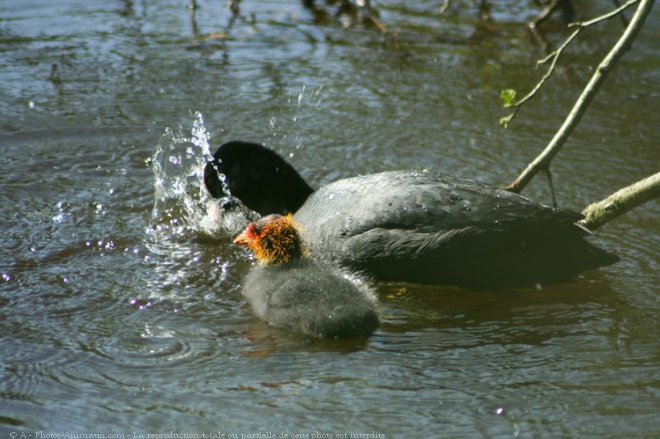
412 226
289 290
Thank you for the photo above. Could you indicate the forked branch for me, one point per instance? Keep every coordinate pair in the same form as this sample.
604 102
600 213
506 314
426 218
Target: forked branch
509 96
591 89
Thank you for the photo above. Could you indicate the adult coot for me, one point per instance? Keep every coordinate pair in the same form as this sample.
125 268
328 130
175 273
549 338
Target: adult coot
291 291
408 225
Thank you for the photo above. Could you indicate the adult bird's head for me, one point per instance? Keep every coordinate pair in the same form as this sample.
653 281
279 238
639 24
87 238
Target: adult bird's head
256 175
274 240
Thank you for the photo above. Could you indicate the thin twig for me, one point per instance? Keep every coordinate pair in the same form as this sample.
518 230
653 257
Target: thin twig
533 25
368 12
554 56
548 173
612 13
445 6
549 7
548 73
378 23
545 13
624 20
585 98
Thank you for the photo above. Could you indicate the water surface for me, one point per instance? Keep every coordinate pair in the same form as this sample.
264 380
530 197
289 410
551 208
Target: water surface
121 311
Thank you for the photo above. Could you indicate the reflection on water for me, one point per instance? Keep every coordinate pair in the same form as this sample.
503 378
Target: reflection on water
120 302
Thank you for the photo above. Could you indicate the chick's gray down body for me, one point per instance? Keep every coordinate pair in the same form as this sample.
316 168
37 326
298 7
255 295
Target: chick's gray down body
309 299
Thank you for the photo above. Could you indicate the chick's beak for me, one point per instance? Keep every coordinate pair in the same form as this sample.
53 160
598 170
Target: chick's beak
243 239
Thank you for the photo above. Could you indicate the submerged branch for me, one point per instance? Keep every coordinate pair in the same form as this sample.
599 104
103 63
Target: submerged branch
587 95
624 20
567 10
445 6
620 202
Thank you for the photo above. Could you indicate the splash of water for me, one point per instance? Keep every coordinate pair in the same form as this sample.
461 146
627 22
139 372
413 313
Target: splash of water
298 106
181 209
181 203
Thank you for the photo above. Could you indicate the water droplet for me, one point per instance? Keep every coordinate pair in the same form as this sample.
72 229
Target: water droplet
140 304
499 410
31 103
300 96
7 277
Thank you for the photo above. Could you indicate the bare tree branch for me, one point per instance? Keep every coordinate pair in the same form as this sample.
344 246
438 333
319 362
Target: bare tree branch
445 6
554 56
612 13
624 20
620 202
587 95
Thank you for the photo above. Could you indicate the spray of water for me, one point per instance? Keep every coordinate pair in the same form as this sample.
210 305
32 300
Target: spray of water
183 209
181 203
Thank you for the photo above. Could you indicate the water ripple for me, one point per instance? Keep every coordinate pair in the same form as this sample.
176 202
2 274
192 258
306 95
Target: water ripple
144 348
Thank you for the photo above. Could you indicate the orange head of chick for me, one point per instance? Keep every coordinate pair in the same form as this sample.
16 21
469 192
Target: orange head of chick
274 240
